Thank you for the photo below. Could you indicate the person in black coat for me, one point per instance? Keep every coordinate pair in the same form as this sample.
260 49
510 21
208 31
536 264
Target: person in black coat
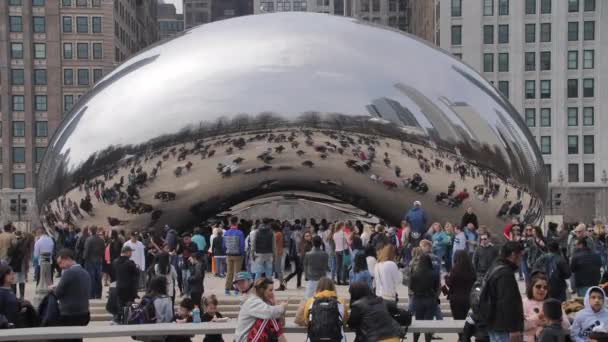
555 266
115 250
369 315
127 277
197 277
586 266
9 306
469 217
424 285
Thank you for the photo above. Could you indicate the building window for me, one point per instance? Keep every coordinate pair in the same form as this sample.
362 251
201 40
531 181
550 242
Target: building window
530 6
503 34
17 77
488 62
67 24
82 24
66 3
588 172
97 51
530 33
68 77
545 117
503 87
572 88
503 7
15 23
40 77
68 102
588 144
97 75
548 172
488 7
503 62
545 60
39 50
283 6
14 3
545 144
573 144
488 34
589 5
589 30
39 24
39 154
530 117
42 129
19 155
572 6
572 173
67 51
81 3
530 89
18 103
299 6
82 50
18 180
545 6
365 5
456 35
96 24
588 117
572 31
19 129
38 3
572 60
83 77
545 89
17 50
456 8
376 5
40 105
530 61
588 87
588 59
572 116
545 32
96 3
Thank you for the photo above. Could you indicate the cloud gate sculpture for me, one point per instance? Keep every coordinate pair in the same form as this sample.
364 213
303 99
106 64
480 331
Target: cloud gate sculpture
294 104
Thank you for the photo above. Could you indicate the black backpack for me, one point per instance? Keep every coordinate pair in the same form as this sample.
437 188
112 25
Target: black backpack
325 320
141 313
482 304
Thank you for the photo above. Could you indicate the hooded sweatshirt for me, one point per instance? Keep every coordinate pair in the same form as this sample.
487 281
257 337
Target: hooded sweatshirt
253 309
587 319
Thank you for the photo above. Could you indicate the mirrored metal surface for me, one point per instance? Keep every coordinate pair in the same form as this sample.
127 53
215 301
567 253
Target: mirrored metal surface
258 105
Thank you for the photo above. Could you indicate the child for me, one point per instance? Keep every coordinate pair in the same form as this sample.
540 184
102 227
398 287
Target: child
211 313
184 315
552 313
594 314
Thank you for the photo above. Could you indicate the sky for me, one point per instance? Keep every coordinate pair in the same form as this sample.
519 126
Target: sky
178 4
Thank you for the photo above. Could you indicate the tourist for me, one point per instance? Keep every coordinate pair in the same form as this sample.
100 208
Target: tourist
360 273
185 250
7 239
586 267
73 291
369 316
93 255
9 306
219 254
469 217
536 294
264 249
459 282
417 219
367 234
199 239
157 292
552 330
340 241
234 245
449 230
304 247
441 241
330 249
557 270
197 277
243 283
114 249
316 266
165 269
210 304
183 315
138 256
43 252
386 274
127 278
505 319
261 309
424 285
460 241
18 257
279 260
325 327
484 256
407 243
593 315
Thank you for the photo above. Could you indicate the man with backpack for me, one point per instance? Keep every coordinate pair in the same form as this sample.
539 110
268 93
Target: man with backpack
555 266
500 303
264 248
316 265
324 314
127 277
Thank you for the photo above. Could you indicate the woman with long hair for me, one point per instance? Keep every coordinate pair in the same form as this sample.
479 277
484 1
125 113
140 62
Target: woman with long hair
164 268
367 234
449 230
114 248
386 274
157 293
360 271
370 317
330 248
537 292
407 241
340 241
260 315
424 285
460 283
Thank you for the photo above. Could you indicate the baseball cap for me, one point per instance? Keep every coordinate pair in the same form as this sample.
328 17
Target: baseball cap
417 203
126 249
242 276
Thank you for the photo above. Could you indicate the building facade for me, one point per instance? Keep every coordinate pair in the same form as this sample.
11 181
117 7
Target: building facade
169 22
545 56
52 52
198 12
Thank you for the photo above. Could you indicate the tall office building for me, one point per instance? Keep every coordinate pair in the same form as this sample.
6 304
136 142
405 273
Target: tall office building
545 57
198 12
52 52
169 22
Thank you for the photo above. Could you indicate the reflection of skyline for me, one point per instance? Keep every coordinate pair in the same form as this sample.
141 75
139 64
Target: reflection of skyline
393 111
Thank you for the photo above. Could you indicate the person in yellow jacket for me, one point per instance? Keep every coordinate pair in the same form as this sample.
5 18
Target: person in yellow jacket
325 289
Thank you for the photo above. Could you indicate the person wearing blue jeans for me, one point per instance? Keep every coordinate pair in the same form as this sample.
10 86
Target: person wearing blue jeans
262 265
94 270
264 248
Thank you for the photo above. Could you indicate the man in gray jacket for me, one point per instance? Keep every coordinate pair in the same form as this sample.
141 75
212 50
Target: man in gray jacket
94 251
316 266
484 256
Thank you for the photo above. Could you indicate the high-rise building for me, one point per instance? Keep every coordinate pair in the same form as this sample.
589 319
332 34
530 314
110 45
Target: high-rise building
169 22
52 52
198 12
544 56
424 19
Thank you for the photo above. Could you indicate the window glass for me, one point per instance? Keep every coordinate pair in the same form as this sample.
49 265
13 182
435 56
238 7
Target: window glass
589 172
545 117
545 6
572 88
503 62
588 144
39 154
82 50
530 89
19 129
96 24
40 104
572 31
530 33
545 144
573 173
17 77
42 129
572 116
588 116
67 24
573 144
83 77
545 32
488 7
82 24
572 60
503 34
456 35
39 50
19 155
530 61
588 59
67 51
488 34
15 23
40 77
588 87
456 8
39 24
18 103
503 87
68 77
503 7
572 6
545 89
18 180
488 62
545 60
17 50
589 5
530 117
530 6
589 30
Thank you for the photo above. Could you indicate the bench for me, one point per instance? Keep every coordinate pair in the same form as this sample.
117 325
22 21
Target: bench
57 333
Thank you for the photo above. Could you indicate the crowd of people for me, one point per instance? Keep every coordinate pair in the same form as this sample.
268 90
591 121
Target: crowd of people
480 273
